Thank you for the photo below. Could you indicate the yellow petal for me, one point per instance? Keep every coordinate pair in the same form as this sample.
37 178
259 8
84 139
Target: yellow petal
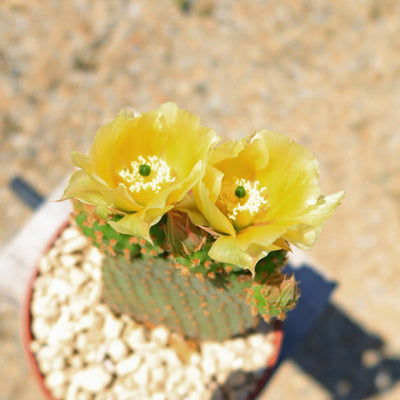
188 205
139 224
305 234
82 187
205 194
170 141
86 189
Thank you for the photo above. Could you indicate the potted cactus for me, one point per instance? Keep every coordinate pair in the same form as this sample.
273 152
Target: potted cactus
194 234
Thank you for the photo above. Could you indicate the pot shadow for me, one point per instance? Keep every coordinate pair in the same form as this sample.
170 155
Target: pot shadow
329 346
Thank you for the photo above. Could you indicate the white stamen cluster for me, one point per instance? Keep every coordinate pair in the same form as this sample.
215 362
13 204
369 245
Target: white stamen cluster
159 176
253 200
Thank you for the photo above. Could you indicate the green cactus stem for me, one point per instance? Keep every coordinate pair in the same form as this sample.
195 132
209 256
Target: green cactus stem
184 289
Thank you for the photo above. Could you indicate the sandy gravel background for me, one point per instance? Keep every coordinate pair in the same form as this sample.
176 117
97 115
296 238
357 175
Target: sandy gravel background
325 73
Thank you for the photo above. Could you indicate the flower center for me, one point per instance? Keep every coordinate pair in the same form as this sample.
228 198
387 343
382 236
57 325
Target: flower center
144 170
150 174
241 200
240 192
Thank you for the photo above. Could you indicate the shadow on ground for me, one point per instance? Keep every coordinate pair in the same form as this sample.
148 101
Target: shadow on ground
331 348
345 359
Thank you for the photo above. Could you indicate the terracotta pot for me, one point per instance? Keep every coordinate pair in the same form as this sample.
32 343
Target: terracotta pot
27 338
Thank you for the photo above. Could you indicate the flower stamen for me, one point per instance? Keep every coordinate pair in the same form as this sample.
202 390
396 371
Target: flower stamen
150 173
253 199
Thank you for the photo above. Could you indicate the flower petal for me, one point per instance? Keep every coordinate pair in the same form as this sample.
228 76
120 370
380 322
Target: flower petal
139 224
206 193
86 189
305 234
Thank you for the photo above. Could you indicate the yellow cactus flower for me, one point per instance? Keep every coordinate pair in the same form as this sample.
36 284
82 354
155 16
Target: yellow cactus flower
259 194
140 167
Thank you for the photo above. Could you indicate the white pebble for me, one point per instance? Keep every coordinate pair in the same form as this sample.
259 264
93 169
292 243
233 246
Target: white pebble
84 321
112 327
74 244
46 306
93 379
68 260
173 380
141 376
135 337
117 350
225 358
78 276
158 396
59 288
160 335
55 379
45 265
40 328
70 233
94 256
129 364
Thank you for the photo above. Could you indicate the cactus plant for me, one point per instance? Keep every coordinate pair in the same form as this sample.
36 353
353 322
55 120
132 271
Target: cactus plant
191 293
195 236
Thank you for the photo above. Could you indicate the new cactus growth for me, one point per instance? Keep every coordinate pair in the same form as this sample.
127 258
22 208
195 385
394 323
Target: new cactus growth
195 235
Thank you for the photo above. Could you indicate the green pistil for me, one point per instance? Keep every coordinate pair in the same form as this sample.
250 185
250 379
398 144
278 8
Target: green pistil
144 170
240 192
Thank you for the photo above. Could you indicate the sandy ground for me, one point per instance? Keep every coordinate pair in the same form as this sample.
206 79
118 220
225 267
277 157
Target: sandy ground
325 73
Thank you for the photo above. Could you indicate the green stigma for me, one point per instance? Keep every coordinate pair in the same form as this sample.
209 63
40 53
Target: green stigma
240 192
144 170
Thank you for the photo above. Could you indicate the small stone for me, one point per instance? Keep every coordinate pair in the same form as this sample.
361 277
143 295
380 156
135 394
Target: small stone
46 306
129 364
117 350
81 341
59 288
85 321
225 358
68 260
93 379
45 265
59 392
91 270
135 337
75 244
170 359
76 361
173 379
160 335
141 376
158 396
70 234
40 328
61 332
94 256
194 359
256 341
50 358
193 374
55 379
157 375
112 327
78 276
